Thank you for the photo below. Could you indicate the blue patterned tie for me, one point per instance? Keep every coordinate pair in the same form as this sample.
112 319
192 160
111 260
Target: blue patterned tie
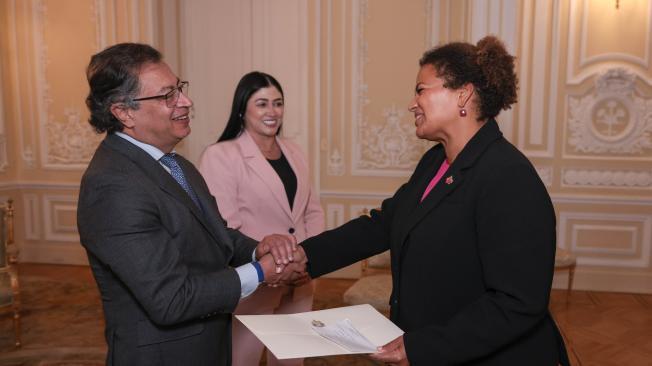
169 161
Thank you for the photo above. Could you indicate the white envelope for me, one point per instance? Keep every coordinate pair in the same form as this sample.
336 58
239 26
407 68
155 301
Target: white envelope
292 335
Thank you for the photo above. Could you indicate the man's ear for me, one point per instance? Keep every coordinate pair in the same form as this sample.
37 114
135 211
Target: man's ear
123 114
466 92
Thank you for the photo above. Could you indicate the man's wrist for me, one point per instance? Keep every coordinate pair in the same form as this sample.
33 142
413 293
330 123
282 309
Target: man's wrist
259 271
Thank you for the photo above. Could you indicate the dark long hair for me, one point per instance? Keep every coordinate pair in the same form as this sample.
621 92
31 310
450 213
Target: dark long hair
248 85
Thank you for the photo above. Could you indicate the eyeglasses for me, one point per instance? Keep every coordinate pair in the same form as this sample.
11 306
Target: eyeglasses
171 97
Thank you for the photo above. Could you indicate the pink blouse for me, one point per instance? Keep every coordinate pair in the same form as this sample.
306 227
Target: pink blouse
442 169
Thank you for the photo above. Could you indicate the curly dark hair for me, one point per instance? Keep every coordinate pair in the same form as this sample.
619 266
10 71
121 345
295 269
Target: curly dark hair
113 78
486 65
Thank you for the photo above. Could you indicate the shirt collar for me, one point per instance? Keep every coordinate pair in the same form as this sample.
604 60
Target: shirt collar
153 151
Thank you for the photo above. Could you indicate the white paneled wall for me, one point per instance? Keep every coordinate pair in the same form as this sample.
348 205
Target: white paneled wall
221 41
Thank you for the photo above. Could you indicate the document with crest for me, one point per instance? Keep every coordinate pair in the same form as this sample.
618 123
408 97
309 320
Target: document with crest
345 330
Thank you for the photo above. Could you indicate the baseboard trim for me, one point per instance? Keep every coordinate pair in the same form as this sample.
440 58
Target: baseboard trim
595 280
53 253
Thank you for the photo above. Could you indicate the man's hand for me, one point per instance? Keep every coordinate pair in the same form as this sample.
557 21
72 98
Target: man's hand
393 353
281 247
289 273
299 278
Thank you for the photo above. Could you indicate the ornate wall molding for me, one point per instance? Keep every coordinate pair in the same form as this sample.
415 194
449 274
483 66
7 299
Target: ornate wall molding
3 153
336 163
31 209
537 110
318 146
433 36
588 66
585 60
55 207
334 215
545 173
628 249
3 138
20 12
64 145
388 149
356 211
137 26
28 185
610 119
335 166
588 199
605 178
359 88
71 143
636 254
353 195
500 18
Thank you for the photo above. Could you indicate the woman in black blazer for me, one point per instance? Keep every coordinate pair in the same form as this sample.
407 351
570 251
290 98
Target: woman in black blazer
471 234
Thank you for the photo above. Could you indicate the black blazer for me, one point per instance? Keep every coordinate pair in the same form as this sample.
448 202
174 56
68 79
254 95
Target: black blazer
472 264
161 264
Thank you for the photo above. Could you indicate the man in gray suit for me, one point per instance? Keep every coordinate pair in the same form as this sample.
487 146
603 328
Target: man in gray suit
169 270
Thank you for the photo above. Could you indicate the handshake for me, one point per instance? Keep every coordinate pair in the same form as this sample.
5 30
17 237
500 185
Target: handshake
282 260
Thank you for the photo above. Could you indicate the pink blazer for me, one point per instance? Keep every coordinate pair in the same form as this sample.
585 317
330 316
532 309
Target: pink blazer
250 195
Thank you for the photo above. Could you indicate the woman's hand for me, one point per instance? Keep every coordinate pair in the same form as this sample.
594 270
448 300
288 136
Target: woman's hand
393 353
281 247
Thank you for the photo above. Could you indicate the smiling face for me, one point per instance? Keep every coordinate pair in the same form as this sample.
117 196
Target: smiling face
264 114
154 122
435 107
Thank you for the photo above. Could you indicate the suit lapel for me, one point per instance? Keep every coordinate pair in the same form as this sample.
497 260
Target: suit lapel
411 207
447 184
451 180
261 167
301 172
163 179
210 218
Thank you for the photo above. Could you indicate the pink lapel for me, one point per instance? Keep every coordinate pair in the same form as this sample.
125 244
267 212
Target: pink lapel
301 171
261 167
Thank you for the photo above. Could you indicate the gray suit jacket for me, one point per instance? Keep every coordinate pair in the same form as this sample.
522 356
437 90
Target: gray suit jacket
162 264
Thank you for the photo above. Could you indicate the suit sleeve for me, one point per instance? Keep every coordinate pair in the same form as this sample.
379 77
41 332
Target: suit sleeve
516 241
359 238
143 254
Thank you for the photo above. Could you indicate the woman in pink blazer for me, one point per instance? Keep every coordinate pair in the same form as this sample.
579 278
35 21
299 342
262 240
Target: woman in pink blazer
261 184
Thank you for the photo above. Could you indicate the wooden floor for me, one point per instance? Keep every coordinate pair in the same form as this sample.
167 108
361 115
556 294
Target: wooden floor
600 328
605 328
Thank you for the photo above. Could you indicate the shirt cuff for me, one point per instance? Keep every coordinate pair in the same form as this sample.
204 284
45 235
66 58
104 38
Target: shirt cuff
248 279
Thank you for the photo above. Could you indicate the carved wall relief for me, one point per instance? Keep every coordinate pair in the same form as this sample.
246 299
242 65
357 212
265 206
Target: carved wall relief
607 178
613 119
71 141
391 145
